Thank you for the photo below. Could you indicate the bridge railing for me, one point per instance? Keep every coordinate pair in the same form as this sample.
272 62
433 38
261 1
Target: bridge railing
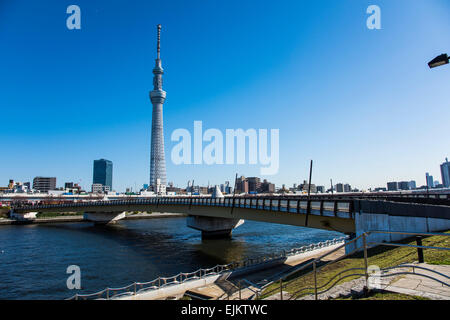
420 197
161 282
328 207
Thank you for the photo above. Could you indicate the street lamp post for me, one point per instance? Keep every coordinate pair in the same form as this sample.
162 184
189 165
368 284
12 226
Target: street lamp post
439 61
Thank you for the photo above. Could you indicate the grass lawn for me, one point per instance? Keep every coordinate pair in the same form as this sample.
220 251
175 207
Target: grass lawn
382 256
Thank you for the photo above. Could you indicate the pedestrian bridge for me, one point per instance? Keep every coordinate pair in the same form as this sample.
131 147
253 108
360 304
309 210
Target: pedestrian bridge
350 215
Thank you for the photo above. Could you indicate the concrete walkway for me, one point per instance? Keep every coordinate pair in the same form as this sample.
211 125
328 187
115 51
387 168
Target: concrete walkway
421 286
408 284
224 289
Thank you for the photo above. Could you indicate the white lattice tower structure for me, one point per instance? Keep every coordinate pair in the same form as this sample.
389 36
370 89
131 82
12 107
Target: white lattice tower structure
157 97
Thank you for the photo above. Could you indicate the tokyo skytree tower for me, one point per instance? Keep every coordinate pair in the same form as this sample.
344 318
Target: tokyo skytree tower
157 97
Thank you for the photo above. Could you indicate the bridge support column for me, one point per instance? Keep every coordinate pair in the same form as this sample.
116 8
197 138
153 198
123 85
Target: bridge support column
100 218
213 228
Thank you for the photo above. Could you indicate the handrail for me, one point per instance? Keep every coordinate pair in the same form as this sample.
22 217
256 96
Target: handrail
297 293
218 269
364 247
436 199
303 267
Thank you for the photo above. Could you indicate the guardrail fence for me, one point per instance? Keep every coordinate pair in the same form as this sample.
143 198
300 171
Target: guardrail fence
314 267
161 282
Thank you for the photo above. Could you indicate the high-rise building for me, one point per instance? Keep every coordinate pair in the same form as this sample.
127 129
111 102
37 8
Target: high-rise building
392 186
44 184
267 187
254 184
103 172
242 185
404 185
339 187
445 173
412 185
157 97
430 181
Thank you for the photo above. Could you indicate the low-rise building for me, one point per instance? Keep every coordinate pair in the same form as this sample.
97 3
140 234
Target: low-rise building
44 184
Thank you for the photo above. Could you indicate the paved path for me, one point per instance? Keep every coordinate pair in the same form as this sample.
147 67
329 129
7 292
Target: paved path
421 286
409 284
229 289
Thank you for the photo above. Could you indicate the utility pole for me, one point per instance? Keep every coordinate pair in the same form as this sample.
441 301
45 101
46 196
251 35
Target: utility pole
308 206
234 192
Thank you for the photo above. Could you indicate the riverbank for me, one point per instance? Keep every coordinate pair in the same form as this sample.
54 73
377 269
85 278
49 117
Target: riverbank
294 286
79 218
243 285
219 282
150 247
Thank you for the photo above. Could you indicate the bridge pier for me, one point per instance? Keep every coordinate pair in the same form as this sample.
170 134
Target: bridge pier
101 218
213 228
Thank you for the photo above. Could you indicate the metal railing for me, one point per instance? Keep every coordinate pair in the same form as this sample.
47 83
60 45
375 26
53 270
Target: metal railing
425 198
324 207
161 282
315 265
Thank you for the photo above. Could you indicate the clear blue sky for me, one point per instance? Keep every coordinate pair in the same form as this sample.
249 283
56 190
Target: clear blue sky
362 103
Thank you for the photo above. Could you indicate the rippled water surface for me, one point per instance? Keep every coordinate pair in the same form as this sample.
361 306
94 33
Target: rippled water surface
34 258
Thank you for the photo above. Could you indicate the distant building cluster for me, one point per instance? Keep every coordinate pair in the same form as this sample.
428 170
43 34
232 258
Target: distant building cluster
402 185
430 183
102 184
253 185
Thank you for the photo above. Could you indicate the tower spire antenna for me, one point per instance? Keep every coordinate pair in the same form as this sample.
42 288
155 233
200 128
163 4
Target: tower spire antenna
159 38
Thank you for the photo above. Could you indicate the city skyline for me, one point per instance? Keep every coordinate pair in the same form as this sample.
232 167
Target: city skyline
359 124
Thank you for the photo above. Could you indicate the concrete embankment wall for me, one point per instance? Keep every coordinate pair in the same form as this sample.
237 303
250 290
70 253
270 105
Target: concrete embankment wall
80 218
399 217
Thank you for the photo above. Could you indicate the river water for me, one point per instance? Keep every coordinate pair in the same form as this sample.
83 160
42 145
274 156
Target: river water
34 258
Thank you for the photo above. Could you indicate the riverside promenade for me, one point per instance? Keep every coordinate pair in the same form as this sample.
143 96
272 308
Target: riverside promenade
219 282
247 283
